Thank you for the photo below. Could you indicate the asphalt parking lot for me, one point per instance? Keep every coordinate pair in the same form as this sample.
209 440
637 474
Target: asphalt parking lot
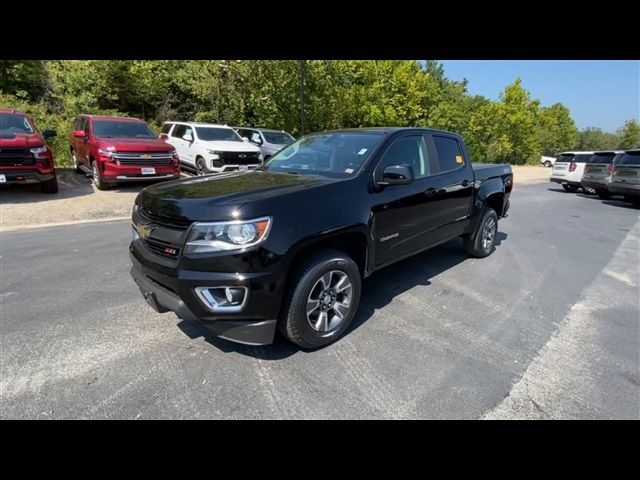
546 327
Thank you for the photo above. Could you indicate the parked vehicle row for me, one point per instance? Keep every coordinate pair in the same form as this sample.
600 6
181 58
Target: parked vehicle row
115 150
604 173
286 246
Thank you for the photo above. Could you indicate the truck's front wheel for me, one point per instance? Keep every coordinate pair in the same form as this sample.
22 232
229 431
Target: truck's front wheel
321 300
480 243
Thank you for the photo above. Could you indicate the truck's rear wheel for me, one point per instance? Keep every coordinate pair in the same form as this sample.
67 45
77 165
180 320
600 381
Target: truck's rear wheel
603 194
569 188
482 241
75 162
322 299
547 163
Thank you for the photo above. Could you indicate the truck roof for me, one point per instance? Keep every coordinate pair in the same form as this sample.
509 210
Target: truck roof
111 117
389 130
199 124
11 110
575 152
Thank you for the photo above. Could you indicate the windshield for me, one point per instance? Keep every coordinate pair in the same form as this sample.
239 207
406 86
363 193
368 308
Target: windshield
111 129
11 124
279 138
211 134
331 154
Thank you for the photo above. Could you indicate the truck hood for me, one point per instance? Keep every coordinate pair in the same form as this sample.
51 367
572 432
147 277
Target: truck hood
135 144
22 140
229 146
214 197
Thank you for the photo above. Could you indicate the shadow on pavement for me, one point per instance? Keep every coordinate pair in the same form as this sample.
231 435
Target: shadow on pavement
377 292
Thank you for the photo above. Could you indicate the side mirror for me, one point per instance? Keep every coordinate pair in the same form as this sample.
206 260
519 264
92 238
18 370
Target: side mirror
163 136
79 134
188 137
397 175
49 133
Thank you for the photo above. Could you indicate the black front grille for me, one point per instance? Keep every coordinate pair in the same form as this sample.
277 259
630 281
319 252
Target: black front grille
143 159
171 222
161 248
240 158
16 157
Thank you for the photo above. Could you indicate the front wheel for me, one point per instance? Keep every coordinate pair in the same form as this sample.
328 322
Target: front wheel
547 164
50 186
201 167
321 300
569 188
603 194
482 241
97 178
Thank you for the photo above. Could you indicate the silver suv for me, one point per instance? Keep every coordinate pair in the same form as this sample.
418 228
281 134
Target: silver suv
625 179
270 141
598 170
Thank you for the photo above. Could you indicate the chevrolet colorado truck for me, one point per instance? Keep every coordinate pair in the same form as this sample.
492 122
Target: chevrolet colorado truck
116 150
25 156
286 246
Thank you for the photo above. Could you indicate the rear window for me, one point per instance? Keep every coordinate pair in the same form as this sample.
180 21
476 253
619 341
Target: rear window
565 158
582 158
629 159
602 158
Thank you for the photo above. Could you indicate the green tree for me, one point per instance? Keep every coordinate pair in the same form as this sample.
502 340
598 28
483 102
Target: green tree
629 135
592 138
556 131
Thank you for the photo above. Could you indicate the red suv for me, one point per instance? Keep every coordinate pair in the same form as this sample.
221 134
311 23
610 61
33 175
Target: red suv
120 149
24 154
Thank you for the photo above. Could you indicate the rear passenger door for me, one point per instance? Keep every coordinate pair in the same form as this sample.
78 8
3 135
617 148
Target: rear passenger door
175 139
452 185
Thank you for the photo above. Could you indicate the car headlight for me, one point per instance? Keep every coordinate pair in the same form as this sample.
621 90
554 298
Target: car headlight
109 151
215 155
40 151
227 236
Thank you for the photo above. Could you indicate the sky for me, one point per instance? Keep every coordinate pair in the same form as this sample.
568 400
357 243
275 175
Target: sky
601 94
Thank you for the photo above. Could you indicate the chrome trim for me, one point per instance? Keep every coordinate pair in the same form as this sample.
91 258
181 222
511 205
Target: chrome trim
210 303
146 177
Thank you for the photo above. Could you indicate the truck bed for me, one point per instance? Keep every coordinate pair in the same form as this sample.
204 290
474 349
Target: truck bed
483 171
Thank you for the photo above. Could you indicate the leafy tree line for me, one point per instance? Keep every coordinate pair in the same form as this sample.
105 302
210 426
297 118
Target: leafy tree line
338 94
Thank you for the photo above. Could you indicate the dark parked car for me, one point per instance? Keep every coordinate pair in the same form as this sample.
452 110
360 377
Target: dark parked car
598 170
25 156
287 245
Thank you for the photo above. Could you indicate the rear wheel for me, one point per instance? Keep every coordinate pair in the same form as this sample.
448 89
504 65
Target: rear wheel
75 162
482 241
589 190
50 186
603 194
322 299
547 164
201 166
569 188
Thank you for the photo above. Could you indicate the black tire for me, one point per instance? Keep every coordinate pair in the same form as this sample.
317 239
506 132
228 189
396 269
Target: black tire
293 322
75 162
97 178
603 194
201 166
569 188
473 242
589 190
50 186
547 164
634 200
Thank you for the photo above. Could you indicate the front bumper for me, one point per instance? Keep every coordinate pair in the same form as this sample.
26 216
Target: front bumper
235 327
25 176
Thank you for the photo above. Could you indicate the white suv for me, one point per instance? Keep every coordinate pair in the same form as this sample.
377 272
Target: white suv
568 170
210 148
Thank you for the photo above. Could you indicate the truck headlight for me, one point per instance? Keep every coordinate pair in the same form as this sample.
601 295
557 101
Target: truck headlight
39 152
215 155
211 237
108 151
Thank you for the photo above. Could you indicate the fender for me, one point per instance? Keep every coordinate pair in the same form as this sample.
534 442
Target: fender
488 190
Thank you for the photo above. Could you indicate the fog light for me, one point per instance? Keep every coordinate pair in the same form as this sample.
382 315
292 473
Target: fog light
222 299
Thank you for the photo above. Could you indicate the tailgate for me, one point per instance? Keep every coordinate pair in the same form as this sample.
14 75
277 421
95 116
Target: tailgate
560 168
596 170
627 174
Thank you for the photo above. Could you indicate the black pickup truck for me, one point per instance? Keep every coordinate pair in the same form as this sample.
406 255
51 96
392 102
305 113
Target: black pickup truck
286 246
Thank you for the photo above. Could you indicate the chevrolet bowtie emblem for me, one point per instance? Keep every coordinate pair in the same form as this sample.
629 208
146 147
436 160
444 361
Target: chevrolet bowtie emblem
242 155
145 230
146 155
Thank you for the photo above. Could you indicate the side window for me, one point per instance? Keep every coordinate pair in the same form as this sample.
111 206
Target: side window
255 137
178 131
189 131
166 127
81 123
242 132
86 125
76 125
408 151
449 154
